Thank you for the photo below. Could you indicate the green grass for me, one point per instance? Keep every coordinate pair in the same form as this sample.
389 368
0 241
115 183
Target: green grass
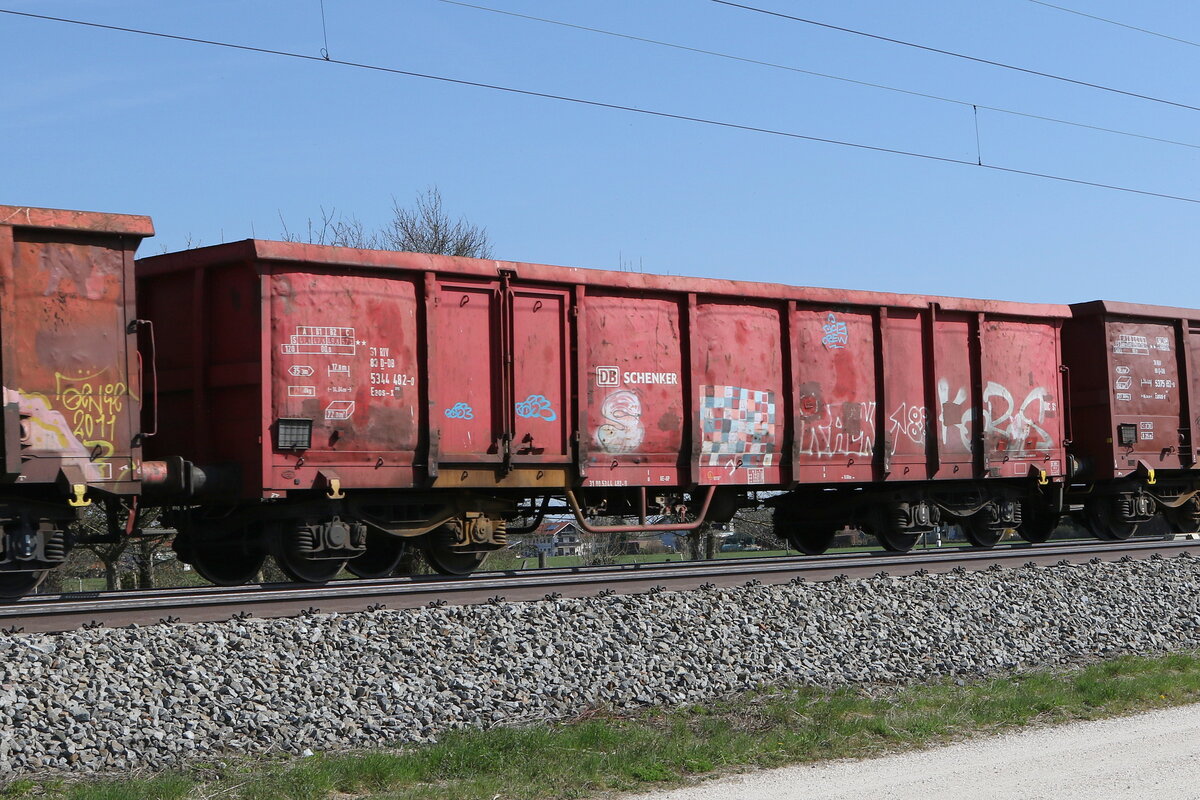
604 752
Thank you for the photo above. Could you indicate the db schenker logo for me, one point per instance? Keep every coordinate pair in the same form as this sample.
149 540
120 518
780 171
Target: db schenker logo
608 376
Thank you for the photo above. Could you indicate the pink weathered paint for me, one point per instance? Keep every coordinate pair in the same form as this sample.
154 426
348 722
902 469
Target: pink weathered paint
903 393
590 377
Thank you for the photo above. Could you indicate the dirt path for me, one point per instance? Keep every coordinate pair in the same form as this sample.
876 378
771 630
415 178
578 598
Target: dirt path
1155 756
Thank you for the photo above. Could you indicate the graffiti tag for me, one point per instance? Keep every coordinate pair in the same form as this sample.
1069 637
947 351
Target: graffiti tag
839 429
460 411
92 407
621 431
908 422
836 334
536 406
1013 427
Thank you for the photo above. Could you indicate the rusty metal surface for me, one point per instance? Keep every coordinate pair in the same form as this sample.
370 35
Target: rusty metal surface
342 352
71 378
413 367
341 257
1022 395
69 611
1133 373
67 220
916 394
636 377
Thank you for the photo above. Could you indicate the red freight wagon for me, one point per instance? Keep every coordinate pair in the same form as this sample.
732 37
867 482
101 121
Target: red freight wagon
1135 410
68 350
369 397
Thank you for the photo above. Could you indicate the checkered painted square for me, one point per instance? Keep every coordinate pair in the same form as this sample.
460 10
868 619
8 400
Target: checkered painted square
738 423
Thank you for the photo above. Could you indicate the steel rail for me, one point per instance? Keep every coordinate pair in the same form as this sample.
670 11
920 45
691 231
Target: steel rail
52 613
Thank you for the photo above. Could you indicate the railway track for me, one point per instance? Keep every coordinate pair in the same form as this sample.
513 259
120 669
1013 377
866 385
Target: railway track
51 613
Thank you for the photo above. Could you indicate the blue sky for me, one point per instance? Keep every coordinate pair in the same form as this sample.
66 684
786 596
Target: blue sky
219 145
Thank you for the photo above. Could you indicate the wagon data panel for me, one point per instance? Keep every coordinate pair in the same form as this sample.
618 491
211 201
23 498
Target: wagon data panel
343 354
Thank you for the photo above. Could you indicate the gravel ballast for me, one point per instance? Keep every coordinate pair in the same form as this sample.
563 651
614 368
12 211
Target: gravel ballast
108 700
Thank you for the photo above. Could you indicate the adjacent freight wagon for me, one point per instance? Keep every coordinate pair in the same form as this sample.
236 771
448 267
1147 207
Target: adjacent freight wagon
1135 412
71 375
342 402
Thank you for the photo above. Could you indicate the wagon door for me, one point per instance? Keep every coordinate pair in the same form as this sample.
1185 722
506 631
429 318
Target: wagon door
541 405
739 376
465 366
1022 427
345 358
835 351
499 355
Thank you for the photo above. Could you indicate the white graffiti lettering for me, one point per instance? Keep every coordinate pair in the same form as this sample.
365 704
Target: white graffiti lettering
842 429
1010 426
960 410
908 422
848 429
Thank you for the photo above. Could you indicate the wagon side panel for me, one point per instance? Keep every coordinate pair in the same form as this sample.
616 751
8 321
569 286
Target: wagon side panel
1148 412
739 384
836 418
949 416
1021 403
635 375
344 360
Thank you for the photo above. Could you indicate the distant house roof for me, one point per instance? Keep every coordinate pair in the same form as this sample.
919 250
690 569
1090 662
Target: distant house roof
555 528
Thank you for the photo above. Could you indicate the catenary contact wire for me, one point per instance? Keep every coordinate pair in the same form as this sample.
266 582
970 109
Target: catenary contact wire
611 106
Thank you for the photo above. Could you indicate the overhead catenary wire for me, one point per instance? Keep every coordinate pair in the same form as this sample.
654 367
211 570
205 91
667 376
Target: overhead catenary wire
978 148
324 33
964 56
829 76
1126 25
611 106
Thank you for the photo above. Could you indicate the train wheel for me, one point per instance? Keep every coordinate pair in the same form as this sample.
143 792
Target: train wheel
891 537
1037 527
15 585
808 537
1104 523
227 563
897 541
299 567
978 533
382 557
812 540
436 547
292 547
1186 518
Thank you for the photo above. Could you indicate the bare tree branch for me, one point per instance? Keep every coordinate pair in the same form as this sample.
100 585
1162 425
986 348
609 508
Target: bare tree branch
424 228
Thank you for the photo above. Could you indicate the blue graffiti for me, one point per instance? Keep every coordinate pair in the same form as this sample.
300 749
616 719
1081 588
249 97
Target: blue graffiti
460 411
836 335
536 406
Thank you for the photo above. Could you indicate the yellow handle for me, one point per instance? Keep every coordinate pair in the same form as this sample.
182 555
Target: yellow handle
79 500
335 489
1042 479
